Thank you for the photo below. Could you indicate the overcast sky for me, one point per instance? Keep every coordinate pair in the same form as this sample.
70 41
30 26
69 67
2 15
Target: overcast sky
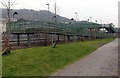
105 10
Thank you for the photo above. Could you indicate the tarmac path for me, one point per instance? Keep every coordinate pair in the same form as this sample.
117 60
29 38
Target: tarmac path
102 62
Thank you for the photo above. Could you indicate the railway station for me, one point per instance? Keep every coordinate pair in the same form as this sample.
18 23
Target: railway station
25 33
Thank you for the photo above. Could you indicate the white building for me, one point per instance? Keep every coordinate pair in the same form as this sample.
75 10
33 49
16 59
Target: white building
2 25
3 22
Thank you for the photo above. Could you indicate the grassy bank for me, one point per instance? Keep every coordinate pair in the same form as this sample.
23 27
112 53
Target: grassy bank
42 61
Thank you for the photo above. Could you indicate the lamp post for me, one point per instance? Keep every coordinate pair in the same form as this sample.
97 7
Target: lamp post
75 24
76 16
72 19
48 6
47 32
90 19
101 30
65 35
90 29
18 35
48 10
55 21
15 13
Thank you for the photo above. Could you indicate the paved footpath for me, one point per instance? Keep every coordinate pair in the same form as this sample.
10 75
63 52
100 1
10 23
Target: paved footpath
102 62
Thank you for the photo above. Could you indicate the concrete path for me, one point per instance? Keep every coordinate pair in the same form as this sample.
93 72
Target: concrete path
102 62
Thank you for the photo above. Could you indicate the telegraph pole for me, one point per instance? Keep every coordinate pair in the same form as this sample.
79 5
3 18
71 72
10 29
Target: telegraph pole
55 21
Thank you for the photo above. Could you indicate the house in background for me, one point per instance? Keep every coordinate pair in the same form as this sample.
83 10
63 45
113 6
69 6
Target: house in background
3 25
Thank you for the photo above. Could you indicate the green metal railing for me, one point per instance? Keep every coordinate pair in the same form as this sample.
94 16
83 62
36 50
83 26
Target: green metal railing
74 28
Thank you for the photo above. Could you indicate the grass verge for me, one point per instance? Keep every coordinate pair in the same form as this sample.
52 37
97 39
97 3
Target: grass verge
42 61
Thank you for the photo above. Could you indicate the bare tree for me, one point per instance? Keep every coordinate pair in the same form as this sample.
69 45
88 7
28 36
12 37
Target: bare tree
8 4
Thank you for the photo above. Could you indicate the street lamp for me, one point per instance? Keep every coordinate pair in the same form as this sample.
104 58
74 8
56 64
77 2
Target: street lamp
15 13
72 19
48 9
90 18
75 24
48 6
47 32
76 16
55 21
91 29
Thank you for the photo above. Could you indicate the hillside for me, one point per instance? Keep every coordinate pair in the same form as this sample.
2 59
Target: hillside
33 15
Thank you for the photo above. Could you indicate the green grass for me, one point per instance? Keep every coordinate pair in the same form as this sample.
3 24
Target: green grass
42 61
0 64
